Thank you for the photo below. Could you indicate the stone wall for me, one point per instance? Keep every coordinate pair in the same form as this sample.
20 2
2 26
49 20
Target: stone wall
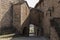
21 14
53 34
36 17
46 19
6 14
51 10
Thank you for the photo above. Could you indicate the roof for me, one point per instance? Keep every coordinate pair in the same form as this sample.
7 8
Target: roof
22 3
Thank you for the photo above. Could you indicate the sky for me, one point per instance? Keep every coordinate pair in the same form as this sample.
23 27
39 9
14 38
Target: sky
32 3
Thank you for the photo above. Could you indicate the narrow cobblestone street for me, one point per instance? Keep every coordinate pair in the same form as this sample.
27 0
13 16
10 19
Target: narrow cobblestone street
10 37
30 38
24 38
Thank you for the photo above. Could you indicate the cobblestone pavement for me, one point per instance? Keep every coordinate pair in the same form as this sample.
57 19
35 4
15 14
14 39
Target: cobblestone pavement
30 38
22 38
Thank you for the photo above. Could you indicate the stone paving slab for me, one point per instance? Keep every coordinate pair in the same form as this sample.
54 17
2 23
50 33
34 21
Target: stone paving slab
11 37
24 38
29 38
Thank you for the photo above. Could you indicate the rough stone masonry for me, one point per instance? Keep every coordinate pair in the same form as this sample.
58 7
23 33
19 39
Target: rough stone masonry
6 13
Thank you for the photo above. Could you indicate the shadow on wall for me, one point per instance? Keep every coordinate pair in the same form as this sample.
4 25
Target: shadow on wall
6 23
56 23
25 28
37 19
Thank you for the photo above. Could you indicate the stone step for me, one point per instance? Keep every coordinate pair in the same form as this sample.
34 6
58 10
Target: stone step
8 35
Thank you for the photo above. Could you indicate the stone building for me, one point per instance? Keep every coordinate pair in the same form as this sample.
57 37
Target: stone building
6 14
51 15
18 15
21 13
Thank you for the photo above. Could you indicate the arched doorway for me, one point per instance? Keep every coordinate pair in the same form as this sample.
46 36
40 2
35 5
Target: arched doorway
35 30
32 30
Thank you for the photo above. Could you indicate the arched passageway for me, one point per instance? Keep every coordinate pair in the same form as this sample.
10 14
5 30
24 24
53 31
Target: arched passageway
32 30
